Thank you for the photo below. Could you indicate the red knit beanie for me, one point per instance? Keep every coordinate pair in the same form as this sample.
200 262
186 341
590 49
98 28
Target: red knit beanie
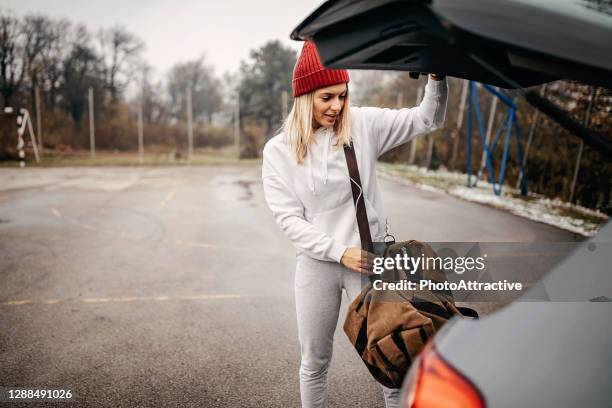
309 74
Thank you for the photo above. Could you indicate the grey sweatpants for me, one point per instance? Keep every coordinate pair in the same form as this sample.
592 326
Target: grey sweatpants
318 293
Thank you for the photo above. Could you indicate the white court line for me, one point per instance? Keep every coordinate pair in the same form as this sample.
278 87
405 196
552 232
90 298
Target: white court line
135 237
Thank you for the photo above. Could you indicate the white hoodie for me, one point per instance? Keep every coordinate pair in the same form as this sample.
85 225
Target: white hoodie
313 204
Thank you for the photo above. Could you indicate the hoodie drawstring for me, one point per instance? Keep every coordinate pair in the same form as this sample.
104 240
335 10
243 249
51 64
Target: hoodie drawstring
325 154
327 138
311 178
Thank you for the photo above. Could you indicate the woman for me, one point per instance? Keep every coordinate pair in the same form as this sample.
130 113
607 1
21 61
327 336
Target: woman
307 187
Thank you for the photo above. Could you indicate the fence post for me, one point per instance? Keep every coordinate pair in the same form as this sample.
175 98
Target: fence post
140 134
189 126
532 130
459 124
285 104
38 119
483 158
237 125
92 136
587 118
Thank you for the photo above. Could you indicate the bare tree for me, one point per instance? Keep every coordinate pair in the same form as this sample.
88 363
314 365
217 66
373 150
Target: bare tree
52 57
37 36
205 88
149 93
120 51
12 70
79 72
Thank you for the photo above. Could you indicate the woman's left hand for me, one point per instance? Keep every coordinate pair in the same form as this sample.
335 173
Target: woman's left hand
358 260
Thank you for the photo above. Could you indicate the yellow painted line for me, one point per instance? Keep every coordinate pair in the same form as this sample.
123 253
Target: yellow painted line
85 226
114 300
125 299
199 244
162 298
127 235
18 302
205 297
169 197
99 300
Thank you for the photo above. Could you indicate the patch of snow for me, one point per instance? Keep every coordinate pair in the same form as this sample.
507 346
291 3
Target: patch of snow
538 210
537 207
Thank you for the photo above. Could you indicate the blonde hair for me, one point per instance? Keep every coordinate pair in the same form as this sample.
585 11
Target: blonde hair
298 131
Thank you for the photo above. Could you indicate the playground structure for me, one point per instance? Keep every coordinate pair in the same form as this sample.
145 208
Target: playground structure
509 125
23 123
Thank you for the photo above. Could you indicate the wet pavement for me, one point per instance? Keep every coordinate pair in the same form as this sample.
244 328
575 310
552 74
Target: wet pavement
173 286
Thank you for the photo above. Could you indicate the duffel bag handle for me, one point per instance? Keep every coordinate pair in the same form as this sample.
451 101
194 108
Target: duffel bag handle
468 312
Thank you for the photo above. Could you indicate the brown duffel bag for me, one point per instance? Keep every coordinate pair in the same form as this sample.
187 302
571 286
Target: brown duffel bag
389 328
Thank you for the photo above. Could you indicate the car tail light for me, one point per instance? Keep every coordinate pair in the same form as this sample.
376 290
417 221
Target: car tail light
435 384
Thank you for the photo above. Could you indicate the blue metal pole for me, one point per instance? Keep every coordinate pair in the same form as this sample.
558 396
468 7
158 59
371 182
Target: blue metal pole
482 132
469 134
507 125
502 173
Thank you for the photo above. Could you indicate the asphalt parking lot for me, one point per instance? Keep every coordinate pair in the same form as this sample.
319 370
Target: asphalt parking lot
173 287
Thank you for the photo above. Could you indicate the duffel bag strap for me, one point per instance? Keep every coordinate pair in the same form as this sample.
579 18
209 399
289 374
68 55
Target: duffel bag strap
358 199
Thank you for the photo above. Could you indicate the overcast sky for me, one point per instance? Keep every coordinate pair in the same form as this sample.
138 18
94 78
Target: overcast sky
180 30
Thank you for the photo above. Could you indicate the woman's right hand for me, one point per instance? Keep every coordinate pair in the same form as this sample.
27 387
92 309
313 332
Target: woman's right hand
358 260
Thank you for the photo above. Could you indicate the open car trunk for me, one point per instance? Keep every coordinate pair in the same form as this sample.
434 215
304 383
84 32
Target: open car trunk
506 43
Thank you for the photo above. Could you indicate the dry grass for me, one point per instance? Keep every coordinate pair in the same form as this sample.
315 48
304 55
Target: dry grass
162 156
